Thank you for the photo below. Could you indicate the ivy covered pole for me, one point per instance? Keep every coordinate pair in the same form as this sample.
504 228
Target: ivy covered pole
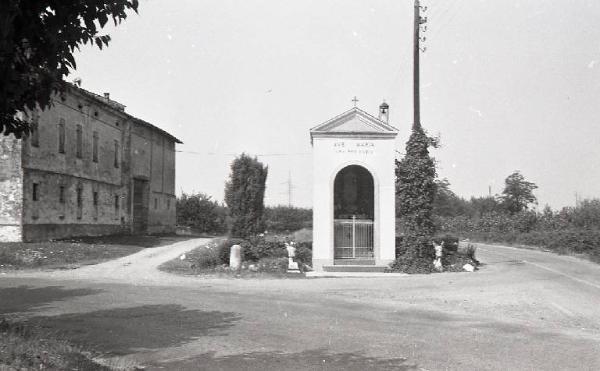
415 193
415 177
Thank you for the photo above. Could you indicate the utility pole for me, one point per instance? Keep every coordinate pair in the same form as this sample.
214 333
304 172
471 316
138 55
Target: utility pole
416 64
290 187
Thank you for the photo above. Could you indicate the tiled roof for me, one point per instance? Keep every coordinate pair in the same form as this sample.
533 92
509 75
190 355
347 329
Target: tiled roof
116 107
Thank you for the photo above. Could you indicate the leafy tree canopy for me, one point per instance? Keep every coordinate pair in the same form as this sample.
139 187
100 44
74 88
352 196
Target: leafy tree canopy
37 42
518 193
201 212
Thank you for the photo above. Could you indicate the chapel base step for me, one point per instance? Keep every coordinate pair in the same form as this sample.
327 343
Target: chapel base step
355 268
355 261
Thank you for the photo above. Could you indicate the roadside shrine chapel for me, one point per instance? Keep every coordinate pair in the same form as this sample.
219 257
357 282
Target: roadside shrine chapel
354 192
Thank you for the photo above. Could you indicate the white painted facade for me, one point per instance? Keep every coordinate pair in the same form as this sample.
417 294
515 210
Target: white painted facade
354 138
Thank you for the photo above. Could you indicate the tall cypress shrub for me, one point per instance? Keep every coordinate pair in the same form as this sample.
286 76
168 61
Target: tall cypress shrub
415 195
244 196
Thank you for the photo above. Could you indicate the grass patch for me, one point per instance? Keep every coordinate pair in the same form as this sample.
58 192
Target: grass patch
28 347
212 259
75 252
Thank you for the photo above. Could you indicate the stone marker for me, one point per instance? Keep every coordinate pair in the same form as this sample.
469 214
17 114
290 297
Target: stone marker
235 257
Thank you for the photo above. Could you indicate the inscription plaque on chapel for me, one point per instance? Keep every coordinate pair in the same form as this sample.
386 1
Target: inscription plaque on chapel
354 147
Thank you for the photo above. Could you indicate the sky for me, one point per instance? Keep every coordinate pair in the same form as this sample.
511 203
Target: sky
506 84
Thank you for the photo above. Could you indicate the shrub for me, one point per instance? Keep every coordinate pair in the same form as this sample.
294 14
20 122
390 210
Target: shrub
273 265
244 195
253 249
204 258
201 213
450 242
224 248
259 247
406 264
470 252
304 253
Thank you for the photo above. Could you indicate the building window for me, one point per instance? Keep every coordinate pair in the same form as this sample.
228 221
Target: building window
95 203
61 194
116 153
35 134
79 202
95 147
168 204
79 141
156 203
116 203
61 136
35 192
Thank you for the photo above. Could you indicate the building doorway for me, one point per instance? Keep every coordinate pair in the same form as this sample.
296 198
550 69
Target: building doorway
140 206
353 213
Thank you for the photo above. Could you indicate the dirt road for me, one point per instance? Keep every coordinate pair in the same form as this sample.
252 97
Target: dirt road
524 310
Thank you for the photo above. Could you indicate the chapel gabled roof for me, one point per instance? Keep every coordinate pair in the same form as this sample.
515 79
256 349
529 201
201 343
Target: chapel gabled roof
354 123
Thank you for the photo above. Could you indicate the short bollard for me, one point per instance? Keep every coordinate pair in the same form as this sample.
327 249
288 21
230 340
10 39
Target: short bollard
235 257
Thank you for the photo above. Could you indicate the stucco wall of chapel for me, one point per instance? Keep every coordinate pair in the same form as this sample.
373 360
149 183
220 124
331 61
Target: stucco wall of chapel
330 155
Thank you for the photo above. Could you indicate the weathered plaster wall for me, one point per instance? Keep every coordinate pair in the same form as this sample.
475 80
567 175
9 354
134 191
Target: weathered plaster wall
44 165
11 189
143 152
153 159
47 157
49 218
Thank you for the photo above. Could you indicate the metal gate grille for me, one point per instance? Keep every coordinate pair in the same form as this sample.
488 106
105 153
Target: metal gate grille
353 238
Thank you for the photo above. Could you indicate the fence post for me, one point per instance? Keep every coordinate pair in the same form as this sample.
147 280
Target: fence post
353 236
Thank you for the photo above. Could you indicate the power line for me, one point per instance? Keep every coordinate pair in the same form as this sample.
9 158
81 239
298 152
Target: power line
237 154
447 17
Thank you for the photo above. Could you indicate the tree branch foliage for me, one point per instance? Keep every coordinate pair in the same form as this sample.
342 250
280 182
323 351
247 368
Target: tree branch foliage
244 196
415 193
202 213
37 42
518 193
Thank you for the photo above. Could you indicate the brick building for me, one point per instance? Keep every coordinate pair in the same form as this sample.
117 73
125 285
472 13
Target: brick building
88 168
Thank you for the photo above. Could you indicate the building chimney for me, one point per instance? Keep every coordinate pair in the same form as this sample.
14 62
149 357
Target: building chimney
107 96
384 112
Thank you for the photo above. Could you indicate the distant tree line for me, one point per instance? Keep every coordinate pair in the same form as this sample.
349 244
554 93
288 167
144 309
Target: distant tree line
206 215
510 218
516 197
244 214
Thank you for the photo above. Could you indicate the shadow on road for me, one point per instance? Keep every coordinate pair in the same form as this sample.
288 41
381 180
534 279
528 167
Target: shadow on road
26 298
318 359
123 331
